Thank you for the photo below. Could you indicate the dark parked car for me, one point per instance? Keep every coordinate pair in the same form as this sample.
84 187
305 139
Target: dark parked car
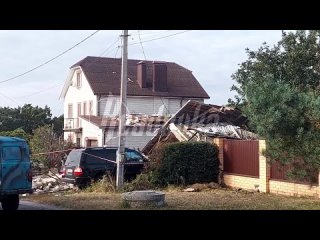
89 164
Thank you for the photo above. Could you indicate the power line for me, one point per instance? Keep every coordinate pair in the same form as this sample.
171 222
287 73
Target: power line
148 33
117 52
9 98
109 47
153 39
50 60
145 58
43 90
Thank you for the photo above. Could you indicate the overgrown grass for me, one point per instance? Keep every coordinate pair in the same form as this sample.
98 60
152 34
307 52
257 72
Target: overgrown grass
105 185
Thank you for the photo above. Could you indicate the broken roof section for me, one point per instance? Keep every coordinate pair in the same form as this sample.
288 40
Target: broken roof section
196 121
195 112
224 130
132 120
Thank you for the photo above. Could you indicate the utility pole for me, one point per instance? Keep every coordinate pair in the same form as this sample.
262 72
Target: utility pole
123 104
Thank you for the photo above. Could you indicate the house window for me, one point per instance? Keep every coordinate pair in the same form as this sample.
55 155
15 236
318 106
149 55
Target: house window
79 113
90 107
78 79
84 108
70 138
78 142
70 110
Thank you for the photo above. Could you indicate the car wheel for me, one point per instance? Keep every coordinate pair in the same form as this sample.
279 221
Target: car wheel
10 202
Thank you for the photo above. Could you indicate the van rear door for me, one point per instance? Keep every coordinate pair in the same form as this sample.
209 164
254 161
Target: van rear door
15 167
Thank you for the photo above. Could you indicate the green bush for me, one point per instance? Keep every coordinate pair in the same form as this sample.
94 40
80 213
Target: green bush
185 163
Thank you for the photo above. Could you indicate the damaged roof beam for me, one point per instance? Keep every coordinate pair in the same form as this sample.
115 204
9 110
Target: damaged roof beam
177 133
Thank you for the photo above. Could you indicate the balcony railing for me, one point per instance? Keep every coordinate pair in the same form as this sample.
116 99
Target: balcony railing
72 125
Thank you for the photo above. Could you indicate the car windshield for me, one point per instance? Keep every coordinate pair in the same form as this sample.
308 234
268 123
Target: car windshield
133 156
73 158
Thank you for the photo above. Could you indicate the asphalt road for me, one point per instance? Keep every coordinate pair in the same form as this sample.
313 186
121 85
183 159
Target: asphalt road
26 205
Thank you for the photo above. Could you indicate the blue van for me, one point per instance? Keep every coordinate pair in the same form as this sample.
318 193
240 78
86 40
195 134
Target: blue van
15 171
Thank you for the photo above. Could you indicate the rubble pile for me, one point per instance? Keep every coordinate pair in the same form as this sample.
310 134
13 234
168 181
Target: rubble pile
47 184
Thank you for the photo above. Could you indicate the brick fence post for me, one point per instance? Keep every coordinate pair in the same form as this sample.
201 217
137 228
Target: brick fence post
264 168
219 142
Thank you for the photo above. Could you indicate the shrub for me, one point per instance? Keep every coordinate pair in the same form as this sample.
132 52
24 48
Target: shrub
103 185
141 182
185 163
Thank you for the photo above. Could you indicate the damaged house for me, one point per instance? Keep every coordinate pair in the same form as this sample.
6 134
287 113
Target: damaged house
155 91
201 122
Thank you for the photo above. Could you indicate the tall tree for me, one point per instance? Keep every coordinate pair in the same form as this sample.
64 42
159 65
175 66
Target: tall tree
26 117
278 90
47 147
57 123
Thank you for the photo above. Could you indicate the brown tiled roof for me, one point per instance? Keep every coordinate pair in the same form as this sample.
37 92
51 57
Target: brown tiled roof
104 76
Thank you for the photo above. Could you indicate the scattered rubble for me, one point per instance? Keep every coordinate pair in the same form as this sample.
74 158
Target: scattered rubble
197 187
49 184
190 190
133 119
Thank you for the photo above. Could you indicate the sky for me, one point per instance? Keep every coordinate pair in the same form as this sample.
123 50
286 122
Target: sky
212 55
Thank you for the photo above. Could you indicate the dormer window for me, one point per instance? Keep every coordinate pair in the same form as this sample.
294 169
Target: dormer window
78 79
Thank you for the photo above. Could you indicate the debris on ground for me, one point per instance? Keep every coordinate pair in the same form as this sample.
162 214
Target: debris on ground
198 187
245 191
190 190
49 184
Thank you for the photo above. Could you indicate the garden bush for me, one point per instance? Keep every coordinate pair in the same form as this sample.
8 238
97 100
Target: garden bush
185 163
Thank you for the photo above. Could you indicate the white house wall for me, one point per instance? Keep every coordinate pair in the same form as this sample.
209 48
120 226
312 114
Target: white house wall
110 105
76 95
136 138
91 131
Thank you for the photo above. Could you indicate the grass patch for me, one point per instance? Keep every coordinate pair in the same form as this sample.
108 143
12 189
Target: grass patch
214 199
125 204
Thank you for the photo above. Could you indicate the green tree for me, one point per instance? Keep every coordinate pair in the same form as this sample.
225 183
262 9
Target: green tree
278 90
17 133
57 123
47 147
26 117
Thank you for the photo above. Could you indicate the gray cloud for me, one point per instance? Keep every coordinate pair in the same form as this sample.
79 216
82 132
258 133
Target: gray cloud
212 56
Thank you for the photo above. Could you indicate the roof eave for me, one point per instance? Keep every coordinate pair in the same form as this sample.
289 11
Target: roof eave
67 84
